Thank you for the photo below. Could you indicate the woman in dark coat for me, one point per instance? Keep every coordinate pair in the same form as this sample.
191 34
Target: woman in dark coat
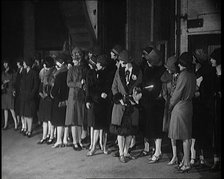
28 89
101 97
90 83
216 119
152 101
7 87
59 94
19 73
75 112
45 104
181 107
125 114
202 107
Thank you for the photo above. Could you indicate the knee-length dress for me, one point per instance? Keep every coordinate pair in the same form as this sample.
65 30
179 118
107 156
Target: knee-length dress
7 95
181 101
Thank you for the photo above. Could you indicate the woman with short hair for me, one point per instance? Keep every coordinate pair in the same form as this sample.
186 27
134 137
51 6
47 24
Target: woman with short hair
45 105
28 89
7 87
181 107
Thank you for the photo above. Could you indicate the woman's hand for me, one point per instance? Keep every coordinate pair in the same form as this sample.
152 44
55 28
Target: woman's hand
103 95
88 105
137 94
122 102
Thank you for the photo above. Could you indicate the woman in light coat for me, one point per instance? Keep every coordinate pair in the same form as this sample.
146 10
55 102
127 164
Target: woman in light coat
181 107
125 113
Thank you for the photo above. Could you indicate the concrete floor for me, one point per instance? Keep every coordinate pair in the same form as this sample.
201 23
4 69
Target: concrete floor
23 158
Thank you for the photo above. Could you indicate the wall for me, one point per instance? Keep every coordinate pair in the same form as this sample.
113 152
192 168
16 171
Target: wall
93 12
29 29
139 27
208 10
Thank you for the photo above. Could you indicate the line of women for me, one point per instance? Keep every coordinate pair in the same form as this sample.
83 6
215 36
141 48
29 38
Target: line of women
100 95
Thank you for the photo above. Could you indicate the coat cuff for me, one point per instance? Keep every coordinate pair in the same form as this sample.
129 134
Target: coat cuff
117 97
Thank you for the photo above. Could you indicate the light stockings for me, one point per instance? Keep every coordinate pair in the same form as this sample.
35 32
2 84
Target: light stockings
146 144
76 134
105 142
121 142
84 133
52 130
193 151
29 121
60 130
174 150
45 130
24 125
186 148
14 117
101 139
96 134
65 137
91 138
6 114
127 144
158 143
133 141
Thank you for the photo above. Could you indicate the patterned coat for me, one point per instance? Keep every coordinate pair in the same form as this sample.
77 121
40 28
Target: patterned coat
120 89
75 112
45 104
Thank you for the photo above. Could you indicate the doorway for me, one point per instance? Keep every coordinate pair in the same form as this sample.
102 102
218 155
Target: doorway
209 42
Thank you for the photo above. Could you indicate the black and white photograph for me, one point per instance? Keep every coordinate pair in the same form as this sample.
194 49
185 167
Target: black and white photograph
111 89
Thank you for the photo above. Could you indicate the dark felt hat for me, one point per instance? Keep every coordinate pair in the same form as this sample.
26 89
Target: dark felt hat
123 56
170 64
102 59
147 49
216 54
49 61
117 49
154 56
93 60
186 59
29 61
95 50
200 55
63 57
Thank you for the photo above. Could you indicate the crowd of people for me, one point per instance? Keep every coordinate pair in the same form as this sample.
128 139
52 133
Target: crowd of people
91 94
